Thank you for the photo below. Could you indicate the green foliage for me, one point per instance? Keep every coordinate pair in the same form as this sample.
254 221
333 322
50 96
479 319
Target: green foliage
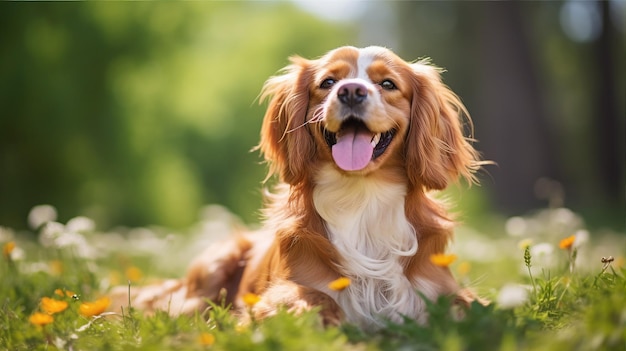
559 308
140 113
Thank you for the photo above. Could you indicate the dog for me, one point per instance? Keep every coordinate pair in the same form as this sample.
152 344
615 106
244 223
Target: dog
358 139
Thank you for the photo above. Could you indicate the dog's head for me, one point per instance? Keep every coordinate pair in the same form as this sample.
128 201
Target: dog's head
363 110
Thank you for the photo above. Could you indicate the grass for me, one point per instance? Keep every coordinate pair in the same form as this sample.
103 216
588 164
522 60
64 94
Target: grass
547 293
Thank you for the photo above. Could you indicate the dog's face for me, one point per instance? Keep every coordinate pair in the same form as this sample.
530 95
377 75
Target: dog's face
362 102
363 110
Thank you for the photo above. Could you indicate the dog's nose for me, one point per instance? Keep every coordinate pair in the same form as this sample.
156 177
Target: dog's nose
352 94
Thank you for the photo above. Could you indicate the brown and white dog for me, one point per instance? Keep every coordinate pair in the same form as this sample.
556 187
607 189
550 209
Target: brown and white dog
358 138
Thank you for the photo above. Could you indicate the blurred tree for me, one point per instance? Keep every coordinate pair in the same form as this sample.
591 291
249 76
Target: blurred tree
544 105
140 113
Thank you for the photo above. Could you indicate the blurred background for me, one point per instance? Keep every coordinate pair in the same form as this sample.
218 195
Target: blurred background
142 113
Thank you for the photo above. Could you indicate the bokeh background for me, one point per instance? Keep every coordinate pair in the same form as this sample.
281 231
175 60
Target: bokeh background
142 113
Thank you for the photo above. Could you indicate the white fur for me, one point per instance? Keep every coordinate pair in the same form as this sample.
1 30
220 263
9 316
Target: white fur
366 221
365 60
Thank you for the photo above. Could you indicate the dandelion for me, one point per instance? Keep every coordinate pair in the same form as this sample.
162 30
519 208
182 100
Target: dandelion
251 299
206 339
512 295
51 306
339 284
90 309
567 243
442 260
8 248
40 319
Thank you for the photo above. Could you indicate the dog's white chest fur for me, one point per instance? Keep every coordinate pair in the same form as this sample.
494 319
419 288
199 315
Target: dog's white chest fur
366 221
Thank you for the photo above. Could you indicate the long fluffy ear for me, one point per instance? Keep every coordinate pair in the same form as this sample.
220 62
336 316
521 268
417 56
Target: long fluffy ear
286 142
437 150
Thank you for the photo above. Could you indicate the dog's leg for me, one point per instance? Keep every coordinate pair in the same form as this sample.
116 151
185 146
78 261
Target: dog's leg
296 298
218 267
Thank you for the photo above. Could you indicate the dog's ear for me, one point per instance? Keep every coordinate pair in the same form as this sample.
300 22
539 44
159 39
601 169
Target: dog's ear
286 142
437 151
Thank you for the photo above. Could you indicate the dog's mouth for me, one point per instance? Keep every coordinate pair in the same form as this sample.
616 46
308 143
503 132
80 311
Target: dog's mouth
354 146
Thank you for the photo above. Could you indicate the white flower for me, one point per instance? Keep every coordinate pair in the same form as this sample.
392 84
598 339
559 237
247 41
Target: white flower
516 226
50 232
512 295
41 214
542 250
582 236
542 257
80 224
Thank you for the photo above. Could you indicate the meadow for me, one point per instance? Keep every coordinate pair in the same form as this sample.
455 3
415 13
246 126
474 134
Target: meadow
552 283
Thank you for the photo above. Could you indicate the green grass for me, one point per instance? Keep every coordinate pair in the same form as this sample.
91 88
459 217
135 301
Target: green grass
543 297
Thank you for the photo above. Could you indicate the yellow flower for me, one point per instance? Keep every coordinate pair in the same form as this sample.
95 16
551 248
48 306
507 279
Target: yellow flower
40 319
63 293
567 243
8 248
206 339
133 274
51 306
442 260
523 244
339 284
251 299
89 309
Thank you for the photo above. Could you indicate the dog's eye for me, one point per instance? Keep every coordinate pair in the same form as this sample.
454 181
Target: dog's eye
328 83
388 85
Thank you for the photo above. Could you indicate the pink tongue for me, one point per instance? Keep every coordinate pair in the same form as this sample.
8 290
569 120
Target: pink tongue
353 150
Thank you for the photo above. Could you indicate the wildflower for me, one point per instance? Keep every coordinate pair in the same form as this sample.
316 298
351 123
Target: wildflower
8 248
339 284
567 243
516 226
582 236
524 244
89 309
442 260
251 299
206 339
80 224
51 306
512 295
41 214
542 250
133 274
40 319
63 293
